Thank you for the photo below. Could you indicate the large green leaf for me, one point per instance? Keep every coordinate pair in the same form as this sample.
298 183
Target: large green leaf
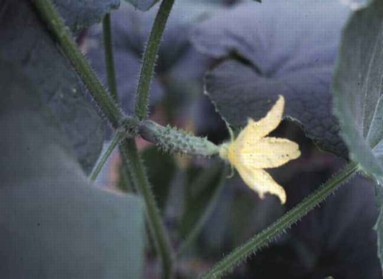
53 223
273 49
358 94
26 42
233 85
356 4
357 88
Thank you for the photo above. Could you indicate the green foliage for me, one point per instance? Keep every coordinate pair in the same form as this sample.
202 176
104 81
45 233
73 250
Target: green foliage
58 226
278 55
359 96
34 50
357 88
79 14
233 85
53 223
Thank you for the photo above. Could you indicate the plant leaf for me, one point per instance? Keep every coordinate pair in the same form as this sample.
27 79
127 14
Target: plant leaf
356 4
357 88
53 224
277 45
81 14
358 95
27 43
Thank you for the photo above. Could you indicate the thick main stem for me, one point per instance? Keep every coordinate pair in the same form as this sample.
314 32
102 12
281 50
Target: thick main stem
136 171
282 224
129 149
157 230
149 58
115 117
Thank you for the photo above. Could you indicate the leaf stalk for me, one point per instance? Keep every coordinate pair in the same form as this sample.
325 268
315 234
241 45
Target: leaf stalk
262 239
149 58
109 57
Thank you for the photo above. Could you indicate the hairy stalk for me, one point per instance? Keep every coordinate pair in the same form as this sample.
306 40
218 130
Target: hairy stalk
63 36
112 84
125 182
109 58
157 230
118 136
114 114
135 170
101 162
149 58
261 240
129 149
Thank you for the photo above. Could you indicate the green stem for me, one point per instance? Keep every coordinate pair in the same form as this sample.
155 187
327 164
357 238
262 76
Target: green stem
126 182
135 170
114 114
109 59
262 239
149 58
116 140
156 228
129 149
63 36
108 46
126 176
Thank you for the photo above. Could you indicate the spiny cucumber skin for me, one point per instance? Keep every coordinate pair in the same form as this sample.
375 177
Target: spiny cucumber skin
176 141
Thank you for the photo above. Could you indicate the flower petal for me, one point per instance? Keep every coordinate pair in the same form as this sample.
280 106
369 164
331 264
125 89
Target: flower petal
268 152
261 128
261 182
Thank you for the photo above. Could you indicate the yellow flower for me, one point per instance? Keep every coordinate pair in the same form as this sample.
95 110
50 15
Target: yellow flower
252 152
